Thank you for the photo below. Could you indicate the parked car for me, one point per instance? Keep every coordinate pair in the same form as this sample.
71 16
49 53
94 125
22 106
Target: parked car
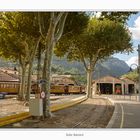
2 95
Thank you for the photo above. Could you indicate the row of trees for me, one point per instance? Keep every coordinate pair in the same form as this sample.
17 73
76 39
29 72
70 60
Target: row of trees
25 36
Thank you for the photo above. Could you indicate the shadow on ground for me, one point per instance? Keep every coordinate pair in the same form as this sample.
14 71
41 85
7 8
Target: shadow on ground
93 113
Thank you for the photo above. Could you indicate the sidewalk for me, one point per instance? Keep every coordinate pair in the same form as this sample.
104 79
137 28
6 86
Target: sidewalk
11 106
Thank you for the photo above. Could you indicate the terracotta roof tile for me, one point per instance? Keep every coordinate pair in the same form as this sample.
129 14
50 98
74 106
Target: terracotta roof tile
5 77
109 79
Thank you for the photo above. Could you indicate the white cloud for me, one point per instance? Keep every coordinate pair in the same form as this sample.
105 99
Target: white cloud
135 33
137 22
136 29
132 60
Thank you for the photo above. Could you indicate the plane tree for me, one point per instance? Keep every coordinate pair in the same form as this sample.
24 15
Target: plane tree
100 39
60 24
23 31
19 41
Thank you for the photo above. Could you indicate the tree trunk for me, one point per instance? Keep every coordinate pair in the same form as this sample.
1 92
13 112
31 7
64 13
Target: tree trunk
89 83
22 87
39 64
47 76
48 113
53 36
30 69
44 86
27 97
47 67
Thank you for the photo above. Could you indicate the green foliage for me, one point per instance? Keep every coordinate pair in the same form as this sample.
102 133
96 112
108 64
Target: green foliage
75 24
75 72
121 17
57 69
101 37
80 79
108 35
132 75
18 33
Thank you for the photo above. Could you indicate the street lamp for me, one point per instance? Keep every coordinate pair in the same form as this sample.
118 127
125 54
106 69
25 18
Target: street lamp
139 71
133 67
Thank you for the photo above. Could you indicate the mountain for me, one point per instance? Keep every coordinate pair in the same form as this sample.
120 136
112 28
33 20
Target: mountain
111 66
6 63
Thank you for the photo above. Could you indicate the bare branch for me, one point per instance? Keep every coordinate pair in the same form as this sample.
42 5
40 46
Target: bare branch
101 49
40 25
58 17
35 49
60 27
84 62
82 58
96 57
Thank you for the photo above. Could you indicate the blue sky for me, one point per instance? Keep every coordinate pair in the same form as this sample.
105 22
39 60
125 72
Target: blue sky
134 27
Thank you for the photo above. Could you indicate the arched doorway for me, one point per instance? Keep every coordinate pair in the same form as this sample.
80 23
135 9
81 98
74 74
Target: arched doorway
118 89
106 88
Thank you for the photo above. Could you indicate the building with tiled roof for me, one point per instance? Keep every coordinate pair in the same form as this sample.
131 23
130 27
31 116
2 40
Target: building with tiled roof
5 77
8 84
62 79
130 85
113 85
9 70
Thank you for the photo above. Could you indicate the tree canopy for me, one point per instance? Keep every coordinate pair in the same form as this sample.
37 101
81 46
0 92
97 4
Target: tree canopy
121 17
100 39
105 36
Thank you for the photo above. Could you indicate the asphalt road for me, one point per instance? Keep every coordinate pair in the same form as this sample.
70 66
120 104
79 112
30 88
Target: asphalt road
126 115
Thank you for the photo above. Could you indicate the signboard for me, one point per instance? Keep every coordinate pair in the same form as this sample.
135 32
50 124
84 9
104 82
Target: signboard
42 94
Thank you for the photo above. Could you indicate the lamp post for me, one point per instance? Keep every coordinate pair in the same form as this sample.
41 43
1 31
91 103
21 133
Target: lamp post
135 67
139 72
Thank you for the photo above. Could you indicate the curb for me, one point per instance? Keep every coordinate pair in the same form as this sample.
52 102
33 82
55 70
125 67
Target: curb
67 104
18 117
13 118
113 118
111 122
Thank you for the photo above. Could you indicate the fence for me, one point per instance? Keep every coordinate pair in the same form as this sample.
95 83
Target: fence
132 97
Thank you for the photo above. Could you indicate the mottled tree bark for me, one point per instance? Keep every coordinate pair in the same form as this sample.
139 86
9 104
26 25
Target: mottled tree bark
27 97
31 59
89 82
22 84
55 31
39 64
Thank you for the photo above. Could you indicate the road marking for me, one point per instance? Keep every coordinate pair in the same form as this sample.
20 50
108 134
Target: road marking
122 119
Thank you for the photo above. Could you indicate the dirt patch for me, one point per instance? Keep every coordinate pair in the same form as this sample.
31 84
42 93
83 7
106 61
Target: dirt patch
92 113
10 105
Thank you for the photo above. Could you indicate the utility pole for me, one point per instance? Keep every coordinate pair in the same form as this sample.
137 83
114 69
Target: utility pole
139 72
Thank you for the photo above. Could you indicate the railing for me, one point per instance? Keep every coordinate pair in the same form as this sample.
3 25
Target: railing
131 97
